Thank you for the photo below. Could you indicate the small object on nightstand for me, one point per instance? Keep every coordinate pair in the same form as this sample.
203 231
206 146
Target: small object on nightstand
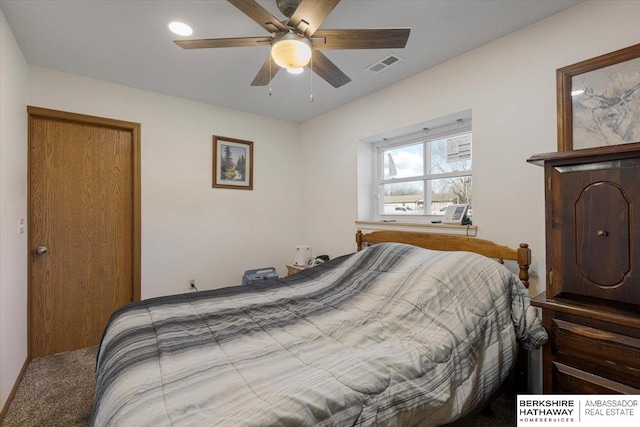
303 255
258 275
293 269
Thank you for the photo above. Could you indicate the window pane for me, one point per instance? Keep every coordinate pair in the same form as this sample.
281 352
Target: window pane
403 162
446 192
405 198
450 154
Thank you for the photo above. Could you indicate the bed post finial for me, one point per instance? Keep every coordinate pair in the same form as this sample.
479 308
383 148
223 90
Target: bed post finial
359 240
524 260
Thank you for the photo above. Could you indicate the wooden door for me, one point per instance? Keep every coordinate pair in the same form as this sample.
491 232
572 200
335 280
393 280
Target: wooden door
84 230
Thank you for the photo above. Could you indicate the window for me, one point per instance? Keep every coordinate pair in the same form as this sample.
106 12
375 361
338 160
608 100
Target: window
422 173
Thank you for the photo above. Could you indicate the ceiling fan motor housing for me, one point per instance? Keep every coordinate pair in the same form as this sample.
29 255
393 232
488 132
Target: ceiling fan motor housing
287 7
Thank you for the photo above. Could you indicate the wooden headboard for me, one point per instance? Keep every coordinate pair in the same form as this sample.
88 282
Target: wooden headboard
440 242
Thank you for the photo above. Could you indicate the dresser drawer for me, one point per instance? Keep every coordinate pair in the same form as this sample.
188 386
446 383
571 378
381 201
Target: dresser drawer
605 353
567 379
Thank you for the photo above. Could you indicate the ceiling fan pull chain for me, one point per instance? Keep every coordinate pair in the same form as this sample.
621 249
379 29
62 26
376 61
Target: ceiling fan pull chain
270 77
311 79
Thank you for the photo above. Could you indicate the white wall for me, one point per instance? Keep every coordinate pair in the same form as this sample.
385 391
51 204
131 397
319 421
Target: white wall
510 87
13 206
189 228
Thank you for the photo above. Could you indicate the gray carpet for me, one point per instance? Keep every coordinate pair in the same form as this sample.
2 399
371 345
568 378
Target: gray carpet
57 391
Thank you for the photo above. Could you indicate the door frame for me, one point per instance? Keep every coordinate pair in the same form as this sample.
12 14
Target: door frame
134 128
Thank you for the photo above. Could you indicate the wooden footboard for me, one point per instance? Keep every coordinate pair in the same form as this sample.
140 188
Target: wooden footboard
440 242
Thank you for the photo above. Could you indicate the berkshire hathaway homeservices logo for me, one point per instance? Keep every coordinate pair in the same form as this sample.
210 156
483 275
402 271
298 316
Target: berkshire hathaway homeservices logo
581 410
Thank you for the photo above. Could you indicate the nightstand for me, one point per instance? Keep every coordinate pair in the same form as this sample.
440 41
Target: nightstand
293 269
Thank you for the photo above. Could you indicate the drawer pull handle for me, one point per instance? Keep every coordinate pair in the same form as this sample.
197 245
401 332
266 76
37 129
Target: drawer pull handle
602 233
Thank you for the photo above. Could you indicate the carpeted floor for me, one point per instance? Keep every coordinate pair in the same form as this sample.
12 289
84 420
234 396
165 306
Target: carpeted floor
57 391
502 413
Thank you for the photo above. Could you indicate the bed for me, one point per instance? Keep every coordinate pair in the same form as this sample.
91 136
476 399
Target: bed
392 335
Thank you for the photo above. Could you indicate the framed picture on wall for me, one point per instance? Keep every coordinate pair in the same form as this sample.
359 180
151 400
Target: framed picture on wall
599 101
232 163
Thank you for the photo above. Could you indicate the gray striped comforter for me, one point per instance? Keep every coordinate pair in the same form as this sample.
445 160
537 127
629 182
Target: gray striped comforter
393 335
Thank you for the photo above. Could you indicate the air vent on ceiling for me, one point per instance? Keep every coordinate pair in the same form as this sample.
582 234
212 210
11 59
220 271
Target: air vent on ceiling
384 63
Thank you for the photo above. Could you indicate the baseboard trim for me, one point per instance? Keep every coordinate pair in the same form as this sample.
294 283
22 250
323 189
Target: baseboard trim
5 408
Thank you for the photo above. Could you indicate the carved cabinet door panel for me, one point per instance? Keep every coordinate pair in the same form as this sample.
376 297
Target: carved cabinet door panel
596 215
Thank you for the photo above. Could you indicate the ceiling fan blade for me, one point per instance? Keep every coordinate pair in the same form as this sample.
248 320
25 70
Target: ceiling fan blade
259 14
267 72
383 38
229 42
326 69
310 14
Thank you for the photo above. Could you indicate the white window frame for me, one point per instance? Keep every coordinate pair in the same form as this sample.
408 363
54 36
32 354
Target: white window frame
460 126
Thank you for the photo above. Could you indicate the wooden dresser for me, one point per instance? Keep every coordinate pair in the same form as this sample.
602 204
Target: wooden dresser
591 307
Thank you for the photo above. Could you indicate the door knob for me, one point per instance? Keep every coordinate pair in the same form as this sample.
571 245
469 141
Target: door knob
41 250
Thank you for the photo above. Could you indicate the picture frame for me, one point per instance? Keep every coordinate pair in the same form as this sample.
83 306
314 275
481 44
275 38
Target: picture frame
599 101
232 163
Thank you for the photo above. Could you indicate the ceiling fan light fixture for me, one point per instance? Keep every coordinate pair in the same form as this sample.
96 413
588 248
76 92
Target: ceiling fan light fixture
295 70
291 51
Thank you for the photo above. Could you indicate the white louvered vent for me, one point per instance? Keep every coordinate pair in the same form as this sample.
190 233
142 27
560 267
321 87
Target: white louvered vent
384 63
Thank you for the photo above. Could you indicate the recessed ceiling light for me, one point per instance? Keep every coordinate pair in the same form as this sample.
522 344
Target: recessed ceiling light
295 70
180 28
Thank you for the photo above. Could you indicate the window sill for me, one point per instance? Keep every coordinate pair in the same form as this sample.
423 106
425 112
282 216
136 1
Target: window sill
452 229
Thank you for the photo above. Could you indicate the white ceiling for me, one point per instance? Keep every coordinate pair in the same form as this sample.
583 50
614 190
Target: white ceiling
128 43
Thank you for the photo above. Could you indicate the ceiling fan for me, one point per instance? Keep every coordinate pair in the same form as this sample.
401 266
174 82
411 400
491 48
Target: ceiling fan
298 42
